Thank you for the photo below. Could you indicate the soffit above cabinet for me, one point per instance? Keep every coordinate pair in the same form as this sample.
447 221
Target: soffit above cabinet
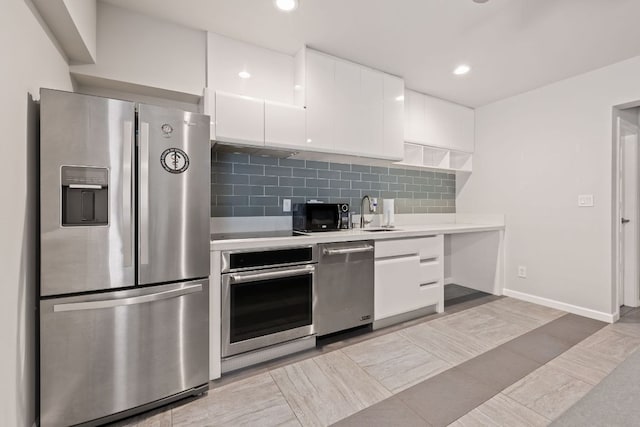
73 24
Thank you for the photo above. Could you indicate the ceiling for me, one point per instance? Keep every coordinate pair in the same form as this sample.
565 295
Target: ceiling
512 45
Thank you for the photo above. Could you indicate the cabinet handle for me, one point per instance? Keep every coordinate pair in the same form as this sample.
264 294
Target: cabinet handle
435 282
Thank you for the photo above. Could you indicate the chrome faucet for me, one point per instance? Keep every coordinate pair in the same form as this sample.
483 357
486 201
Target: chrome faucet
372 208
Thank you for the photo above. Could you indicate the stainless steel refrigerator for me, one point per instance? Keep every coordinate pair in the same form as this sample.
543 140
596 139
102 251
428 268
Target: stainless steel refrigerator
124 257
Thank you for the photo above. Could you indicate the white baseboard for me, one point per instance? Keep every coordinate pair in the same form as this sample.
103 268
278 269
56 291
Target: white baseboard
449 281
580 311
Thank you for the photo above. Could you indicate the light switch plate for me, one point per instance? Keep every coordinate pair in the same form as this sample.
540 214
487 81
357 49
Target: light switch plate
286 205
585 200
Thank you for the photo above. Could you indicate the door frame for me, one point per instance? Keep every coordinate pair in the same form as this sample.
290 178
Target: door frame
630 296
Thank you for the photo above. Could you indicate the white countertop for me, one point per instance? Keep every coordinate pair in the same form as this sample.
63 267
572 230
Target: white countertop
401 232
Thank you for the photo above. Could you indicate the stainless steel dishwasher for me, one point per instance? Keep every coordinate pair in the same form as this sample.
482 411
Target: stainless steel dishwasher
344 286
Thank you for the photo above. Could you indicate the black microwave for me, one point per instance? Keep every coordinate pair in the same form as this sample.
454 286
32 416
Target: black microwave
320 216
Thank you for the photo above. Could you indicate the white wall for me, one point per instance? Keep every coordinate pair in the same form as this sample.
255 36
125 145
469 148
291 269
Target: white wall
83 14
139 49
272 73
30 61
535 153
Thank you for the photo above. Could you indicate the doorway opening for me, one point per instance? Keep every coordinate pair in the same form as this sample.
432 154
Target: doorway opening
626 208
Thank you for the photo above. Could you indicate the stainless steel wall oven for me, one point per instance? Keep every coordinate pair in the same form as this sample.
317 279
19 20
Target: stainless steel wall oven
267 297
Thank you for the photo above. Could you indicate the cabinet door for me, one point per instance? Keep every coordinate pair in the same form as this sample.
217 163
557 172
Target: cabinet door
371 112
348 118
239 119
209 106
397 282
448 125
284 125
320 101
414 117
393 134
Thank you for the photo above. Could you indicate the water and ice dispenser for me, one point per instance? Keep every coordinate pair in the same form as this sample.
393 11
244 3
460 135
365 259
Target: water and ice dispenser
85 196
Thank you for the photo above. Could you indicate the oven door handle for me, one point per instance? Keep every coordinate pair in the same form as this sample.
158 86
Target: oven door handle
268 275
343 251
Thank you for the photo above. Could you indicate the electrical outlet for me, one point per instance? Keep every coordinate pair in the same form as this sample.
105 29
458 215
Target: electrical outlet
286 205
522 271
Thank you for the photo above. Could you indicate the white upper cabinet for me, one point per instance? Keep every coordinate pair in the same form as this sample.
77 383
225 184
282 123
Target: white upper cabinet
270 73
347 108
284 125
438 123
239 119
370 137
320 100
393 117
352 109
256 108
414 117
448 125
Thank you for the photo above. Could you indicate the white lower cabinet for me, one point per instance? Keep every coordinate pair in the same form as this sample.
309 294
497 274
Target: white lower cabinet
396 284
409 275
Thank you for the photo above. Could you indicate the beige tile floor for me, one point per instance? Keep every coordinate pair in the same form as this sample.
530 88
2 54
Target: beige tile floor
330 386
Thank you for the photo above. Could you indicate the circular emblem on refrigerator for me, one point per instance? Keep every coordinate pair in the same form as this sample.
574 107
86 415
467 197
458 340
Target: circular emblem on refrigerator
167 130
174 160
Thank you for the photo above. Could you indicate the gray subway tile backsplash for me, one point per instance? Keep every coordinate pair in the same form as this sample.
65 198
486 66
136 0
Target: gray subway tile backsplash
311 164
254 185
306 173
339 167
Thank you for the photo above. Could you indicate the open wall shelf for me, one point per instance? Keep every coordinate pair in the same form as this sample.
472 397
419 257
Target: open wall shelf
427 157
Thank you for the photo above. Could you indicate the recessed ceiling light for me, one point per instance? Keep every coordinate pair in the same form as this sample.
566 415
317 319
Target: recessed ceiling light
287 5
244 74
400 98
461 69
297 87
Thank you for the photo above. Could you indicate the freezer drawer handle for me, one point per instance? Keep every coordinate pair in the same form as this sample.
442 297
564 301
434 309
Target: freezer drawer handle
111 303
243 278
366 248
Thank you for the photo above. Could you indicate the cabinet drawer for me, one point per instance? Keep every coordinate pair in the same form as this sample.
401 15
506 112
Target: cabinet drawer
430 294
431 247
431 272
424 247
395 248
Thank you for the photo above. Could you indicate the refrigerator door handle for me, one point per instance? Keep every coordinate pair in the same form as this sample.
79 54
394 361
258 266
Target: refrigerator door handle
144 193
127 212
95 305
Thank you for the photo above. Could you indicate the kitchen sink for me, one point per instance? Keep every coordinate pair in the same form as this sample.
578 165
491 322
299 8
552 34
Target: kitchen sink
375 230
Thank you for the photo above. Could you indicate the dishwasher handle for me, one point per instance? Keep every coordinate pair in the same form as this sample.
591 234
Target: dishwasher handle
344 251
